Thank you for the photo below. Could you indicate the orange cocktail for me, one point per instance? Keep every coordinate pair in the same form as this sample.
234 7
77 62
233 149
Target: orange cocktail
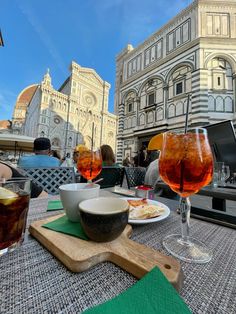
90 164
186 162
186 165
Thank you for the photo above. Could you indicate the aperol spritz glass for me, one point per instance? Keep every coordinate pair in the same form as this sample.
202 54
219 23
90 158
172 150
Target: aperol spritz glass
89 164
186 165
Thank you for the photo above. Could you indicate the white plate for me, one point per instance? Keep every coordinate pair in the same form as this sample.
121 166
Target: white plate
150 220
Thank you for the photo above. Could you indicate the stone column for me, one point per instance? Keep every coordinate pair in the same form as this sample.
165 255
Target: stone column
120 133
137 102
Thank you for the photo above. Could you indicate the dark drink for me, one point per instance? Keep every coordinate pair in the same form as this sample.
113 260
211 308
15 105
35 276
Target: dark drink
13 216
183 166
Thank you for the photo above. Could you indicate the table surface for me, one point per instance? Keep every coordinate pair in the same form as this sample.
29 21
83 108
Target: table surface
33 281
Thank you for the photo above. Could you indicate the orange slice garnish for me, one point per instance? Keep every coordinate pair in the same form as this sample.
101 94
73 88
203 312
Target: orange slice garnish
156 142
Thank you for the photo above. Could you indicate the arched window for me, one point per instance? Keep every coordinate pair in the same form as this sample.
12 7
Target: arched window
228 104
70 141
150 117
159 114
141 119
171 111
219 104
179 108
211 103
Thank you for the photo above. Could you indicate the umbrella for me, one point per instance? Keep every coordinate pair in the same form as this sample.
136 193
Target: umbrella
15 142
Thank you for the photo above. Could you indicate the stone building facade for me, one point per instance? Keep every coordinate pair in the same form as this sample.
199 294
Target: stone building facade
66 115
195 54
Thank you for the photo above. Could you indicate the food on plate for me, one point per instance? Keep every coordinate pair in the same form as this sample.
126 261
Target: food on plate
141 209
136 203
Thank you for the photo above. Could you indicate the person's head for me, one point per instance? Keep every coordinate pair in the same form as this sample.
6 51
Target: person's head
42 146
56 154
108 156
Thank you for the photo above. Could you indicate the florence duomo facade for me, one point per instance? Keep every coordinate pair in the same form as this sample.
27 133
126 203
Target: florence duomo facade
195 54
66 115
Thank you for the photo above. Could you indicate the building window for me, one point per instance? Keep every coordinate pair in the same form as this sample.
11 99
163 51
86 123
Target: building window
218 81
130 107
179 88
151 99
57 120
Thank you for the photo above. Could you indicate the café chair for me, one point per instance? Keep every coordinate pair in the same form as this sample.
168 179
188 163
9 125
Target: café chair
112 176
50 178
135 176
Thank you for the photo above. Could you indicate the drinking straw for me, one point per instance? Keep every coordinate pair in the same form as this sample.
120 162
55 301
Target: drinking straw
186 117
91 165
181 162
92 136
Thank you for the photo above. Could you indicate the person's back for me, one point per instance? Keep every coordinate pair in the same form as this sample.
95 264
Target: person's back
152 173
42 158
38 161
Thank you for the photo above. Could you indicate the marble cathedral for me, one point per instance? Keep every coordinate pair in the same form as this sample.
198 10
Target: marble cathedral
194 53
66 115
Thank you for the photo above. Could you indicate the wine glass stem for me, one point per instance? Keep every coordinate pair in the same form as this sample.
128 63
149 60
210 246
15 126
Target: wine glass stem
185 206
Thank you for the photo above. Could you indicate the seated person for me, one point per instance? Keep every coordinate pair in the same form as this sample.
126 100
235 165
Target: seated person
108 156
152 177
42 158
126 162
152 173
7 172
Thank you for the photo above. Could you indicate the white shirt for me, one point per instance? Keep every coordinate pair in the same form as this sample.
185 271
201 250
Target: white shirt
152 173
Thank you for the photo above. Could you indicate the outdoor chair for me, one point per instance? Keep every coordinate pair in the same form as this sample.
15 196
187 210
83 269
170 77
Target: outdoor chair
135 176
112 176
50 178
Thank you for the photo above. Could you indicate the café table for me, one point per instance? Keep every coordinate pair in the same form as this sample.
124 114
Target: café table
218 209
34 281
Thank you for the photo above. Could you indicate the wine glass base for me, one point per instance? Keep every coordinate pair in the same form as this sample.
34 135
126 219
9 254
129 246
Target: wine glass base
192 251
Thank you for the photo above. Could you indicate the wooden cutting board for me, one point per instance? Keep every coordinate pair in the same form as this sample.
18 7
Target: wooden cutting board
79 255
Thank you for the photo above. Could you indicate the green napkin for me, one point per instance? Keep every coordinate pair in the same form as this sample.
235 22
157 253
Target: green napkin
152 294
54 205
63 225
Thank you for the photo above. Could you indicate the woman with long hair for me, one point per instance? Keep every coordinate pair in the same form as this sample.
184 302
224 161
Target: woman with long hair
108 156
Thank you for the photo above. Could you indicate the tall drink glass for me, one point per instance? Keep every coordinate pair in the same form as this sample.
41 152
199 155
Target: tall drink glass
89 164
14 205
186 165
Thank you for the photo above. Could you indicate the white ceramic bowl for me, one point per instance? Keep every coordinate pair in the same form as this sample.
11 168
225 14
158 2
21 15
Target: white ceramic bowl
74 193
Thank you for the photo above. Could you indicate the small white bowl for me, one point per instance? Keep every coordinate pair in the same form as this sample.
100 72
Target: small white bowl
74 193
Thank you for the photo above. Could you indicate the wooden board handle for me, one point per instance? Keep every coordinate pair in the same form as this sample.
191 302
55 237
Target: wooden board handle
138 259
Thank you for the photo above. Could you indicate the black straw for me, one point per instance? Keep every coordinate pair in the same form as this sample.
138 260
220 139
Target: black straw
92 136
186 117
181 188
91 165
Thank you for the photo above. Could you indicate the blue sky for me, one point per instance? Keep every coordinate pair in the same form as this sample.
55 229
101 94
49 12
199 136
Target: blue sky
51 33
